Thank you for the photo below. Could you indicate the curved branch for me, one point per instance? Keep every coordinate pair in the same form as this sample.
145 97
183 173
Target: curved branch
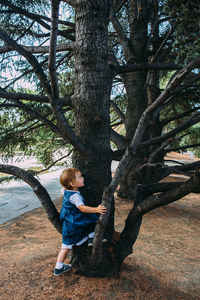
26 13
123 38
30 58
11 82
183 169
165 197
39 190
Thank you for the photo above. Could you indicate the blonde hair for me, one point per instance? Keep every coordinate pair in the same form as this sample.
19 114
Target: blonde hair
67 176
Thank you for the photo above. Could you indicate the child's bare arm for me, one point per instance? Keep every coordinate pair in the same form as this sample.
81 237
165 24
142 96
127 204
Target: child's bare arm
100 209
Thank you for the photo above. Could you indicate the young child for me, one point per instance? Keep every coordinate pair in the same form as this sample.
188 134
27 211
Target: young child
78 219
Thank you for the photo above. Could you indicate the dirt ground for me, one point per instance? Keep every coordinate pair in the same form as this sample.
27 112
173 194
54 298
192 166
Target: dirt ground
165 263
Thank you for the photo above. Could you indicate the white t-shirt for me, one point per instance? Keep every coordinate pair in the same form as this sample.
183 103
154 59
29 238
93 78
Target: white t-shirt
75 198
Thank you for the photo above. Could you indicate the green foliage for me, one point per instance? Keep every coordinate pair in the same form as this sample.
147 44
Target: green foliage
18 132
184 101
21 133
193 138
186 37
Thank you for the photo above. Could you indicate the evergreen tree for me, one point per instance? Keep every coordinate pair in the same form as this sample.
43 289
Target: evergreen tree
78 55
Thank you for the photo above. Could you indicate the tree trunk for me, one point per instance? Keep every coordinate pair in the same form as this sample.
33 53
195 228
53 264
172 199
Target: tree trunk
136 91
153 82
92 104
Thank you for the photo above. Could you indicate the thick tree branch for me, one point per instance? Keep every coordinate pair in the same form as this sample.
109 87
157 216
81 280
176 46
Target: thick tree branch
123 38
52 50
39 190
144 67
64 126
165 197
117 110
188 167
41 49
182 147
194 119
158 150
31 97
141 207
117 139
119 4
184 169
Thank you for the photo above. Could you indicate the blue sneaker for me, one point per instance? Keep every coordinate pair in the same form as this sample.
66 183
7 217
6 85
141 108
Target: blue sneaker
65 268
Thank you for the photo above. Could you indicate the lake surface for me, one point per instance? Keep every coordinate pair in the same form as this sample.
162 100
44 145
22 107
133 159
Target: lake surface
17 197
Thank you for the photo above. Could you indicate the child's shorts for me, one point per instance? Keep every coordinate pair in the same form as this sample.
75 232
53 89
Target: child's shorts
90 235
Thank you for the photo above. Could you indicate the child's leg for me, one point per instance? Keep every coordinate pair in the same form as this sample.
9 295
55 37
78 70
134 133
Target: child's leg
60 267
62 255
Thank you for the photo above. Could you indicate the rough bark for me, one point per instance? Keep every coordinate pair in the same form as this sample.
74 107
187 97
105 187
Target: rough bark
92 99
91 104
157 200
135 88
156 152
91 113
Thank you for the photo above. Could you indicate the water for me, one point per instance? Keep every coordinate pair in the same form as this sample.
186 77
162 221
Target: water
17 197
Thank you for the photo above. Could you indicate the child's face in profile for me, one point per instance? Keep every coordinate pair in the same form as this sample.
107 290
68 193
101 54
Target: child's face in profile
79 181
